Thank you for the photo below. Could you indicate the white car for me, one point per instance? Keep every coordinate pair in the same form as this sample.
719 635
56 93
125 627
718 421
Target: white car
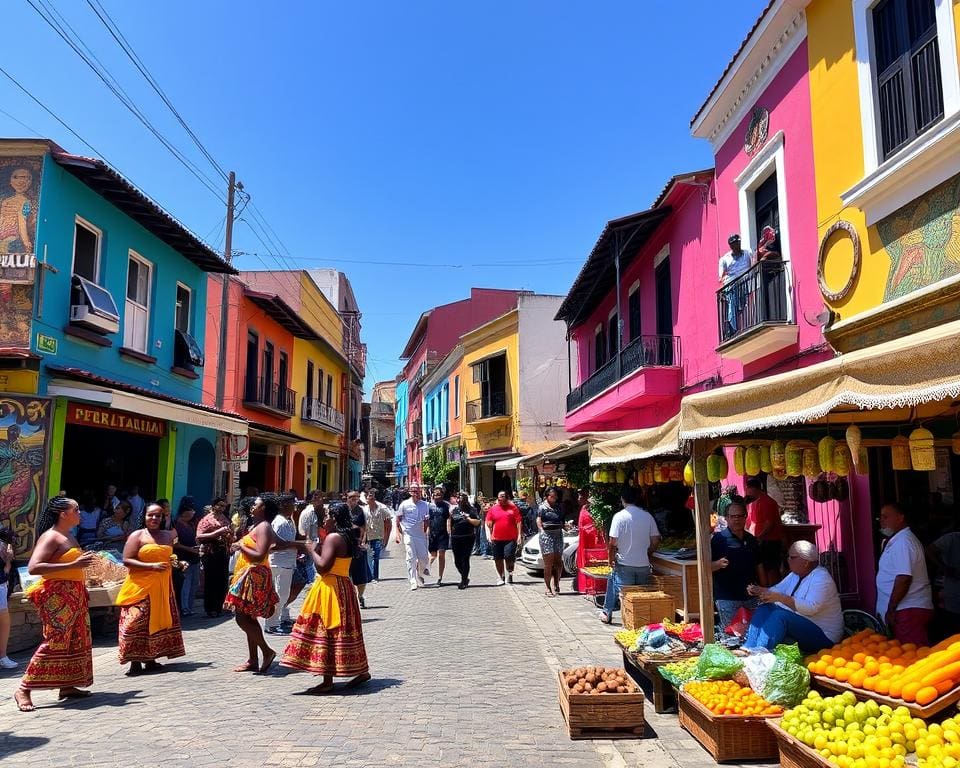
532 559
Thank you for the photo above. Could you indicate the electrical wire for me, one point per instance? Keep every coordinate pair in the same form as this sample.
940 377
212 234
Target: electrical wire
34 131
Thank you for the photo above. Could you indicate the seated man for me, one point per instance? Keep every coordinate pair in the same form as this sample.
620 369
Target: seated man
804 608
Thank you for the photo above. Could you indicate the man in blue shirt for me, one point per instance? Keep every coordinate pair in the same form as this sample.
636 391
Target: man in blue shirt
735 553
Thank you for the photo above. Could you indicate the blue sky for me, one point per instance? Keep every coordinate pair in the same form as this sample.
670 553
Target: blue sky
487 142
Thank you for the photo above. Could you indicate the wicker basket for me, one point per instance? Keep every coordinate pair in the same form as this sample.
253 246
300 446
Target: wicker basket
793 753
727 737
641 607
604 716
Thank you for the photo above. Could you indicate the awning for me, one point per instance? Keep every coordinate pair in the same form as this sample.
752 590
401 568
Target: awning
270 434
147 406
508 465
904 373
641 444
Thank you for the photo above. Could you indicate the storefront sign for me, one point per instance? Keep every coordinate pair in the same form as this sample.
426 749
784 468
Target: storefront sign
46 344
94 416
235 450
19 193
24 437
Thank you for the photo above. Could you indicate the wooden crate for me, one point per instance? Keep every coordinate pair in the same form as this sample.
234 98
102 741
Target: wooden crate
924 712
794 753
603 716
727 737
640 607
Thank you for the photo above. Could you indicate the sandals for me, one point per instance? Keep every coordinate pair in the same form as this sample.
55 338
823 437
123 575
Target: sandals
605 618
548 593
73 693
23 705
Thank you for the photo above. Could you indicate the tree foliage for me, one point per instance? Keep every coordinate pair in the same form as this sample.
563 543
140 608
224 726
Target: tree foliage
435 469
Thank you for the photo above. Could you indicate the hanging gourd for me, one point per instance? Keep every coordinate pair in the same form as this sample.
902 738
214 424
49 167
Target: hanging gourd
900 453
765 464
863 461
841 459
794 459
688 473
921 450
621 476
778 455
751 461
738 456
717 467
597 475
825 453
811 462
647 474
657 472
676 472
854 439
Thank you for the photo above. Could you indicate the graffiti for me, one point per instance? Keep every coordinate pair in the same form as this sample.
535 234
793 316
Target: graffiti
19 193
24 430
923 240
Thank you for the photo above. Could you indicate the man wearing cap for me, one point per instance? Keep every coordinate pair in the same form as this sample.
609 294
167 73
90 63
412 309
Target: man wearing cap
732 264
804 608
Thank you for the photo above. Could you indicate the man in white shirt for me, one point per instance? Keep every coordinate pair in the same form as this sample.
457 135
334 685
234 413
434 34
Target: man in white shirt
732 264
904 600
633 536
379 525
308 526
137 503
804 608
282 563
413 520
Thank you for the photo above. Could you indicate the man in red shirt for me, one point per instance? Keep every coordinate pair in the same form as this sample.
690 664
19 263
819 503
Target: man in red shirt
763 521
505 532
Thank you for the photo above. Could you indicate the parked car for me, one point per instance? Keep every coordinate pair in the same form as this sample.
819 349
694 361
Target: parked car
532 559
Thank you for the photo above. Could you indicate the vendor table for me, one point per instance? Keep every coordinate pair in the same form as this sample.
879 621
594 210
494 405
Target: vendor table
687 595
644 670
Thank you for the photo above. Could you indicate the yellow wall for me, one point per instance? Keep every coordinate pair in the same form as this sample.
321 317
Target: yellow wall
500 436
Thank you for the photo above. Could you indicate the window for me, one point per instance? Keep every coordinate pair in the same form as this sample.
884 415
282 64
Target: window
282 373
329 390
906 53
182 316
86 251
309 394
613 335
633 312
599 348
766 205
137 317
267 370
320 385
456 396
253 352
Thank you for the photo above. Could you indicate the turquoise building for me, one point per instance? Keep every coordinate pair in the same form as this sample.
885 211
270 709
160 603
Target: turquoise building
400 438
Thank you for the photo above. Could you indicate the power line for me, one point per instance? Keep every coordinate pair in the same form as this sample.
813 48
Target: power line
34 131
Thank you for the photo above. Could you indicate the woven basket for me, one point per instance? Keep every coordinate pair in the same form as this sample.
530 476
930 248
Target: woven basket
642 607
728 737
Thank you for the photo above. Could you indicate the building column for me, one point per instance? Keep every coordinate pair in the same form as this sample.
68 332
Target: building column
473 479
166 463
58 429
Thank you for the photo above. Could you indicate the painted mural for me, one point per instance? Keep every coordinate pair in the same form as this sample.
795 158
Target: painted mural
19 196
923 240
24 429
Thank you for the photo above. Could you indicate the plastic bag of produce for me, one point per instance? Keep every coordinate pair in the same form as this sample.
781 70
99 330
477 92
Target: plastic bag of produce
740 622
787 684
757 666
717 663
789 653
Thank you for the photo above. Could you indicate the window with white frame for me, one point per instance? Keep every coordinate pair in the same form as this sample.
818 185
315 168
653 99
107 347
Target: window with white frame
762 196
86 250
136 322
182 316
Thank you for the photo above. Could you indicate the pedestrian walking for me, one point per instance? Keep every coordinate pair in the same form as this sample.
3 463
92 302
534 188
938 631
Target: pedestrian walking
187 550
149 620
215 536
379 526
439 541
464 521
550 524
505 530
360 573
252 594
308 526
482 543
64 659
327 638
6 571
282 563
413 521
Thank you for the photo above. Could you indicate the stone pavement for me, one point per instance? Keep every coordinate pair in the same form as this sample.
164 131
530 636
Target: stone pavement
460 678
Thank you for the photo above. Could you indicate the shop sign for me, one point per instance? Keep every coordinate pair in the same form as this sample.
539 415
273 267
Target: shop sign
47 344
107 418
235 450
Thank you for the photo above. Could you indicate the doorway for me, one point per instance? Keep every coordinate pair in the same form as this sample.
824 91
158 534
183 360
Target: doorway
94 458
664 313
200 471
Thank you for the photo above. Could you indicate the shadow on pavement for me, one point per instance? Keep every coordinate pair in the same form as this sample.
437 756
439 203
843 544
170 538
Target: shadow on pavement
375 685
10 744
104 699
185 666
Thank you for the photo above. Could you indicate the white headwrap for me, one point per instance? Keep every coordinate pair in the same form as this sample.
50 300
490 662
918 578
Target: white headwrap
807 551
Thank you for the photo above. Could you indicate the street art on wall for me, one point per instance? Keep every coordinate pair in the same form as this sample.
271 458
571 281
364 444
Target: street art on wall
24 431
19 195
923 240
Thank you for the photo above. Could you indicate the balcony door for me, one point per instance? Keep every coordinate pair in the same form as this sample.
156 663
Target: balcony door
664 313
253 352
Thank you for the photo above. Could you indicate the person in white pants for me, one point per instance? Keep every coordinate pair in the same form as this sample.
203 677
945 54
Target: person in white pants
282 564
413 520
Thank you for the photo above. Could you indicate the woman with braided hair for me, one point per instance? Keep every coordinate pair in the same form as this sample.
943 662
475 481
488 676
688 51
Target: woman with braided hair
328 636
64 659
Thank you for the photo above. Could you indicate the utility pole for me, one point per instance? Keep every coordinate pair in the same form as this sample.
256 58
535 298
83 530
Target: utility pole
228 479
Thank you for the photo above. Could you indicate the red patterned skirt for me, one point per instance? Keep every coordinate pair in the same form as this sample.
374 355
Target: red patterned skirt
65 657
337 652
252 592
136 642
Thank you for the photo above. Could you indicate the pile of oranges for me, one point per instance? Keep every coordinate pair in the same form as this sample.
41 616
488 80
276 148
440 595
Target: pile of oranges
725 697
871 662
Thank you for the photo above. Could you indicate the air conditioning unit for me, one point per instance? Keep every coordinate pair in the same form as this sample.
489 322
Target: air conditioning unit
81 314
186 351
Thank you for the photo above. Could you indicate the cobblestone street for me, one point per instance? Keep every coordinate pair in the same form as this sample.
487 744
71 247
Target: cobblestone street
460 678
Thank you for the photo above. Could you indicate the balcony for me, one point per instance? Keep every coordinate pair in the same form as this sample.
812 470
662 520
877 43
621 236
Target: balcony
415 431
492 407
649 372
313 410
754 314
426 368
381 467
263 395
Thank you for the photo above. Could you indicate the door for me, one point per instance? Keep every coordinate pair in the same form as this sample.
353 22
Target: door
200 472
253 352
267 391
664 313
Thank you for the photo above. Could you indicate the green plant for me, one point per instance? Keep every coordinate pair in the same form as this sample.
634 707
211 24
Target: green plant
578 472
435 468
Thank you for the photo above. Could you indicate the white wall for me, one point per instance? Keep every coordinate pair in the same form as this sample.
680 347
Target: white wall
543 370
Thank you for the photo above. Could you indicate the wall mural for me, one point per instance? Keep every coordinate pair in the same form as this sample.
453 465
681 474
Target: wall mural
923 240
24 430
19 194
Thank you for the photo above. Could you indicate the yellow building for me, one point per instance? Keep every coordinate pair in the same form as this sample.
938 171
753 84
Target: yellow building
885 104
512 389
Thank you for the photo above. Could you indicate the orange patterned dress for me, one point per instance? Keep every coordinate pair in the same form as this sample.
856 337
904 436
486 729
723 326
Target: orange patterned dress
251 590
65 657
149 620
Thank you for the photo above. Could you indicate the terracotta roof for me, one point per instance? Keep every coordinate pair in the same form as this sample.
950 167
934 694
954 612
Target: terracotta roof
281 312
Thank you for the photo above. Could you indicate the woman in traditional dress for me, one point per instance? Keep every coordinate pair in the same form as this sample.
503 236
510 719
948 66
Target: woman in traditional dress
149 620
328 636
251 594
64 659
215 537
590 537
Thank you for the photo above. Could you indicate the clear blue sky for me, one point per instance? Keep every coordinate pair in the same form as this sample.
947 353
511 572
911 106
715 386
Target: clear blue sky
494 136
